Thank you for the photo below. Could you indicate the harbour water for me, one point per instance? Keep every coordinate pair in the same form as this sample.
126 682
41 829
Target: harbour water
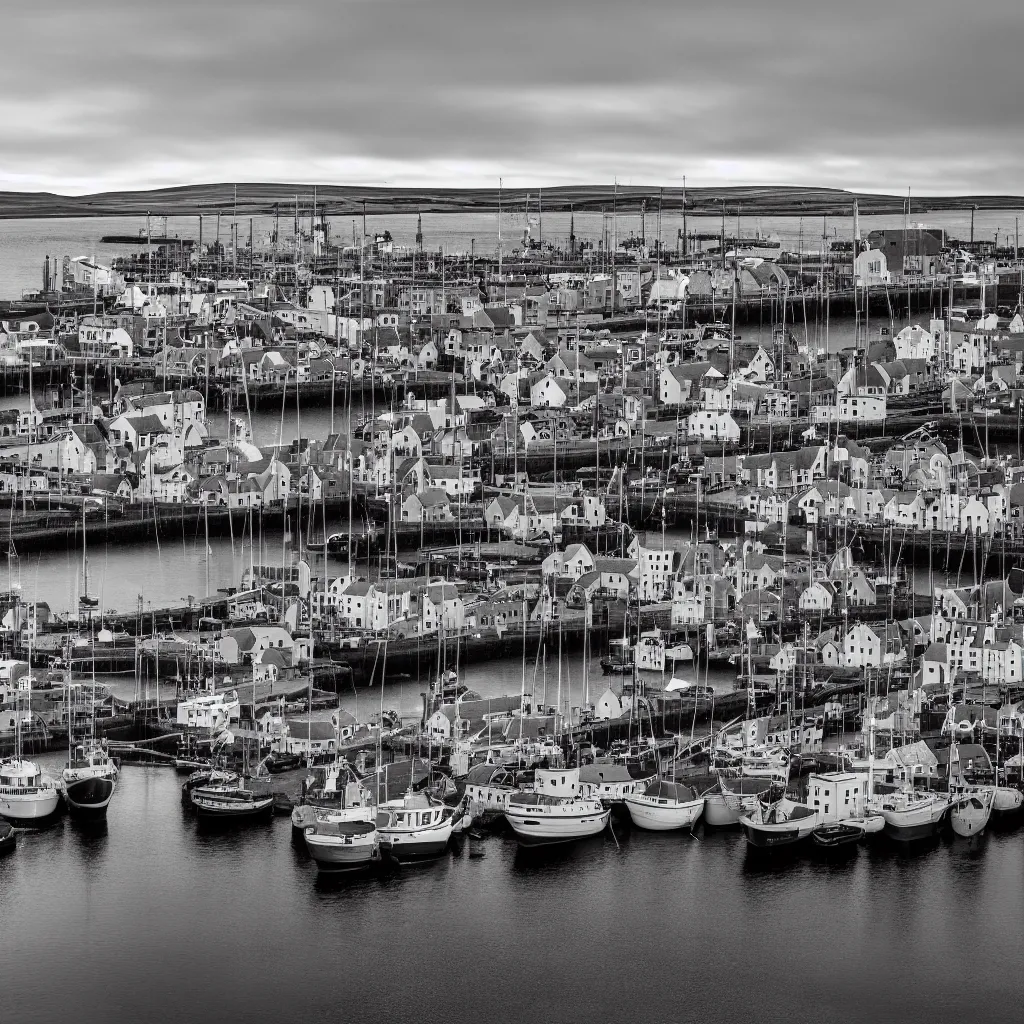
24 244
151 918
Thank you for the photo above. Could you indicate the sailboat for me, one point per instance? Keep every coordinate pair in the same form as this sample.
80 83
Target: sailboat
665 805
910 814
89 779
733 797
970 806
90 776
778 823
26 794
970 814
85 601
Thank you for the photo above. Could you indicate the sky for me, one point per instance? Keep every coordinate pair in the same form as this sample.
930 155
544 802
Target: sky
874 96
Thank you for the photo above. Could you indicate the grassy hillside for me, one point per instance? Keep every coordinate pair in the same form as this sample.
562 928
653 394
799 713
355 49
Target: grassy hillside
260 198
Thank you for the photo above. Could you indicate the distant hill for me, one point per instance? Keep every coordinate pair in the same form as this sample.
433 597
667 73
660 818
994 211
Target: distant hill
261 198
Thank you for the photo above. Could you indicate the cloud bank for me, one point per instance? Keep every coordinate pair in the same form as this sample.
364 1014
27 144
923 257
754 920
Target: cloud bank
877 96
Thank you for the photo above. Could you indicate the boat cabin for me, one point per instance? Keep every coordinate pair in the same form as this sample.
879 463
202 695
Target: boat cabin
414 818
15 775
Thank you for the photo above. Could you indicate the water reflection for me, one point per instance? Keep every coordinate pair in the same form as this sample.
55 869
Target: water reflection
90 834
561 859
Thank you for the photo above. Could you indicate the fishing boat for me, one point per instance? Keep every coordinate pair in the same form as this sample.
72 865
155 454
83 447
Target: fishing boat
841 797
969 814
797 733
910 814
489 787
765 763
26 794
8 837
620 661
447 687
330 787
340 843
414 828
556 812
649 652
777 823
209 776
664 806
344 838
89 780
230 801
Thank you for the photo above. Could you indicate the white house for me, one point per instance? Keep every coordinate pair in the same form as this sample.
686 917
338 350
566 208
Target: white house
710 425
209 711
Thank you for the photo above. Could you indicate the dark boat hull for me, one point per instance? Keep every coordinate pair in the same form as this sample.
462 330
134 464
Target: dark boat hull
242 811
413 852
284 764
8 838
836 838
911 833
763 840
89 796
615 668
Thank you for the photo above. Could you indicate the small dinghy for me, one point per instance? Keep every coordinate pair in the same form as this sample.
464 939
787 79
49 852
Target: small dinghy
837 834
283 805
8 837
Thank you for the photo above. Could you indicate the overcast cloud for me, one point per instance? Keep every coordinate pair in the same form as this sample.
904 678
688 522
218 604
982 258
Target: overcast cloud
875 95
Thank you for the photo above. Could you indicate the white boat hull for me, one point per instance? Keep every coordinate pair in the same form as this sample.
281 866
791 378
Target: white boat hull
869 823
783 833
416 844
649 814
915 822
534 827
1007 800
31 806
342 853
969 817
722 812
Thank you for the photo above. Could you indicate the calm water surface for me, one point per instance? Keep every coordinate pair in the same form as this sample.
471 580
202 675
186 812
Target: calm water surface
24 244
151 918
